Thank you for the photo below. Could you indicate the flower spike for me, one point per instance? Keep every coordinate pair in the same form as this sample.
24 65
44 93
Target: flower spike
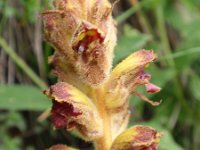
88 97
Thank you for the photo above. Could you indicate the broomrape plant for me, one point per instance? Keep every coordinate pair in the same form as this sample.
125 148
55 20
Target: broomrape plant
90 98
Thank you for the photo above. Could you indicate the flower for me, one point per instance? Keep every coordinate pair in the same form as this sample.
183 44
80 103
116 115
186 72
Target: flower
83 33
71 108
127 76
124 79
137 138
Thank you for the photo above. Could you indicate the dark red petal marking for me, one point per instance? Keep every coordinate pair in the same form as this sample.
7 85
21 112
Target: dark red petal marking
90 35
62 113
145 76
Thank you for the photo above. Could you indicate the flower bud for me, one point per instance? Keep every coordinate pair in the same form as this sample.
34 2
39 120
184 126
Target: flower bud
137 138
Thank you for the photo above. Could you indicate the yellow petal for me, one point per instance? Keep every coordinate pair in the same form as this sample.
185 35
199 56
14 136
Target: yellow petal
137 138
133 63
73 109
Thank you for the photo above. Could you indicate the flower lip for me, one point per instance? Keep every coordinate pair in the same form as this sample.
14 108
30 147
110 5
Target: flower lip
152 88
141 78
144 76
86 38
61 114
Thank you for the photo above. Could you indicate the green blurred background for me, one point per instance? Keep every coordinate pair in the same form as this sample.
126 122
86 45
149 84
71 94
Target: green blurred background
170 27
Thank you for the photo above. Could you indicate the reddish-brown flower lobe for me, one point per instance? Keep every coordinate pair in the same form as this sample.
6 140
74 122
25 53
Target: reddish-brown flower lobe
61 114
72 108
152 88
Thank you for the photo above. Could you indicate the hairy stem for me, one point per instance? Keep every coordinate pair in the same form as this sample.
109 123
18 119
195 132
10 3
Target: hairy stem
105 141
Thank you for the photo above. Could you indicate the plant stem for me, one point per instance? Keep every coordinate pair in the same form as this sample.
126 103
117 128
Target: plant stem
183 52
138 6
142 17
105 141
168 51
22 64
127 13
